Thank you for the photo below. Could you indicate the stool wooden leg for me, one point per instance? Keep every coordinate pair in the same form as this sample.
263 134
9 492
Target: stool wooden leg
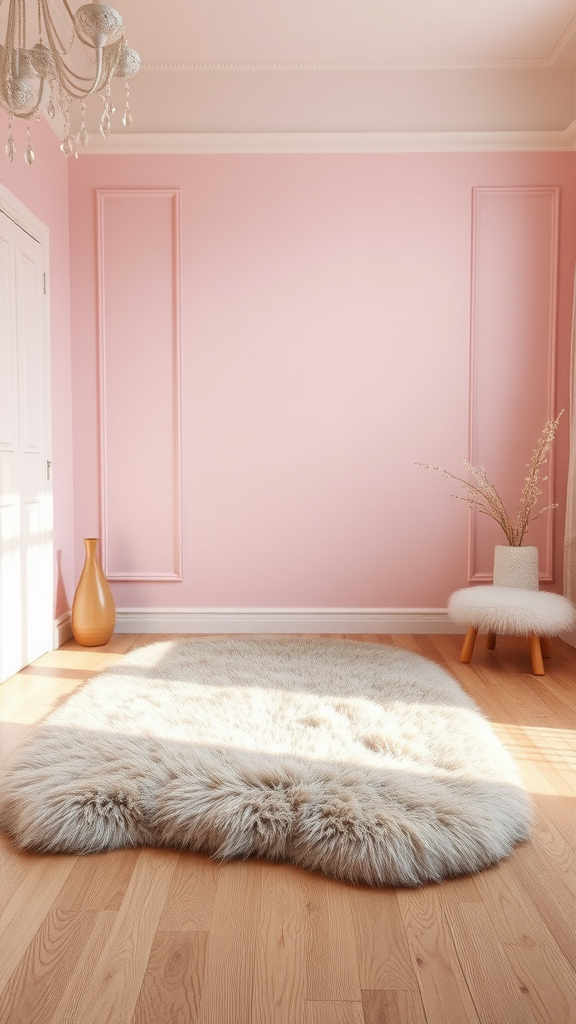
545 647
469 645
491 641
536 655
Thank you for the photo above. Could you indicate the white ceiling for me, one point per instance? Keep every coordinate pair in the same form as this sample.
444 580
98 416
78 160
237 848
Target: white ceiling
347 31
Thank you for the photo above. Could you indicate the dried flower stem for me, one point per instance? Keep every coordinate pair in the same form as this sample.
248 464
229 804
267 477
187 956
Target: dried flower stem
482 496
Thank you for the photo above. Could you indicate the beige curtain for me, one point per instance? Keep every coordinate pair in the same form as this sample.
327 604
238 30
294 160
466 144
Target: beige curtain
570 538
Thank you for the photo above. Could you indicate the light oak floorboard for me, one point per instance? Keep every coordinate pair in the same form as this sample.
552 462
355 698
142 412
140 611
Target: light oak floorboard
281 968
459 890
14 867
382 947
406 642
31 994
561 811
331 942
498 997
190 902
27 909
98 882
332 1012
227 992
393 1007
542 973
552 898
170 992
112 993
169 937
80 970
445 994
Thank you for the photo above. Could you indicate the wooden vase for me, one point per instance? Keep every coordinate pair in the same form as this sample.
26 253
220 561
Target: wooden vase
93 609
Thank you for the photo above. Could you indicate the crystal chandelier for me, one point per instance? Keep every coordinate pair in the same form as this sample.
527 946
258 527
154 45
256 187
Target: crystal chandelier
54 64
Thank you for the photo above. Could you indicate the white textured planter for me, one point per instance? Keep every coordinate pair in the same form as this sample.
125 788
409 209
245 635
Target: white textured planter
516 567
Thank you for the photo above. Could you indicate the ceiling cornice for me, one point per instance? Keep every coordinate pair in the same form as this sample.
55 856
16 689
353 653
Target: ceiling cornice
460 65
334 142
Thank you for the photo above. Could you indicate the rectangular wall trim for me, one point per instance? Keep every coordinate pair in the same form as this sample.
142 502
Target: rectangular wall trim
139 383
512 355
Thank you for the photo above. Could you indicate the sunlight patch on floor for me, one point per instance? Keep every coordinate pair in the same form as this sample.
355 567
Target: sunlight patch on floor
555 748
63 658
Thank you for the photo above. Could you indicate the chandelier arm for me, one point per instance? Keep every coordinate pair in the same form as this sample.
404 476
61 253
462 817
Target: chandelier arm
75 94
10 33
70 80
23 24
56 44
99 64
69 10
52 32
66 76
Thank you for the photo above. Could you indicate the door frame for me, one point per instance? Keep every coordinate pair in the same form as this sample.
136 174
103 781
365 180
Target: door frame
32 225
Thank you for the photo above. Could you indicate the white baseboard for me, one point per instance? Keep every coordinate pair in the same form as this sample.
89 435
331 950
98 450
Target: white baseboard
284 620
62 629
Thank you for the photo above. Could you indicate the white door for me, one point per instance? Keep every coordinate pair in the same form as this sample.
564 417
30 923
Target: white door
25 493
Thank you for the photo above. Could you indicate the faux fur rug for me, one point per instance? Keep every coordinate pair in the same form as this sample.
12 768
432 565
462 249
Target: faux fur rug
359 760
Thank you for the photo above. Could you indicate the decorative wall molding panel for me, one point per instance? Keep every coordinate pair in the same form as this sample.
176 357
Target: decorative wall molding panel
334 142
139 343
512 355
284 620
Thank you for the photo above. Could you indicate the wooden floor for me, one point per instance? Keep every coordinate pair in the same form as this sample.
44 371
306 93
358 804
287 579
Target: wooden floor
161 937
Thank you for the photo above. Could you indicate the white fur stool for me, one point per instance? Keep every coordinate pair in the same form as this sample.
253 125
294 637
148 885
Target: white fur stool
535 614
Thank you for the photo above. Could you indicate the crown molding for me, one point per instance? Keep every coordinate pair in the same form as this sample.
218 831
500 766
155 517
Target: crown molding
333 142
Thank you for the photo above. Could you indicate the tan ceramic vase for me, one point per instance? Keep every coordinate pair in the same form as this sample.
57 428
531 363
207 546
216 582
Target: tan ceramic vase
93 609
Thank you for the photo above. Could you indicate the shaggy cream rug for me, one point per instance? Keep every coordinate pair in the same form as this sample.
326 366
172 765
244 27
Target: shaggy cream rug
359 760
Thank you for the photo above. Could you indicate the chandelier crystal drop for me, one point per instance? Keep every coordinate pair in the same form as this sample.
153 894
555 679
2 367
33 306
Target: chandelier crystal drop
41 65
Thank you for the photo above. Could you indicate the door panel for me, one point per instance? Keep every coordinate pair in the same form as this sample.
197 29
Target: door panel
11 638
33 570
25 546
29 317
8 378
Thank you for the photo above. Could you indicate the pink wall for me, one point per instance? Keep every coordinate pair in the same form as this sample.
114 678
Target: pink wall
325 346
43 188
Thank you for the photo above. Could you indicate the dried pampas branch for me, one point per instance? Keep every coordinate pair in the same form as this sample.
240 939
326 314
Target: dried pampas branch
482 496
